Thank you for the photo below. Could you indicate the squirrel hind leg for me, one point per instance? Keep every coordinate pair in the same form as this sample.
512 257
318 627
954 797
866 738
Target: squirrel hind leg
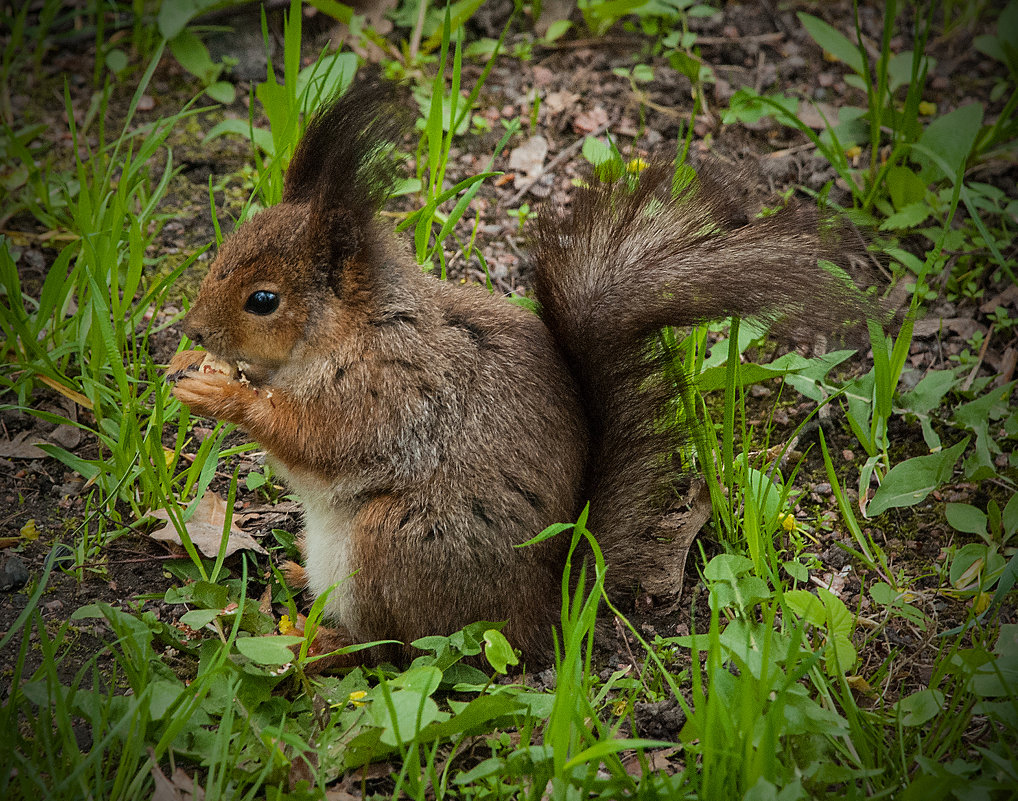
296 576
294 573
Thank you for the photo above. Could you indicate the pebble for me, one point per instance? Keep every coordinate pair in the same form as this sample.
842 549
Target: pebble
13 574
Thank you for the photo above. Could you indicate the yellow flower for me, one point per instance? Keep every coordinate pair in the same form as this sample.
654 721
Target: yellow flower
286 625
30 531
980 602
853 152
356 698
788 523
927 109
619 707
636 165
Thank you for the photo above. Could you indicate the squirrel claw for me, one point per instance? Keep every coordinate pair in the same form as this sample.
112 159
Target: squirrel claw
187 361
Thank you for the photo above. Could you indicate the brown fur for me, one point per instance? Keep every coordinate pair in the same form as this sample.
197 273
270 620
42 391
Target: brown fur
431 428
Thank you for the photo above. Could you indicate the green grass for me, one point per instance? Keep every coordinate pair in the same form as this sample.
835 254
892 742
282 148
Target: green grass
775 698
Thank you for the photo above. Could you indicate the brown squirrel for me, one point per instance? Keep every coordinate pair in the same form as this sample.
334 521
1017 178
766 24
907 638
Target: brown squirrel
430 428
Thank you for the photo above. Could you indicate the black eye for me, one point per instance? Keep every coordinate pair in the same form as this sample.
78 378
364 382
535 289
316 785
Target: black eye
262 302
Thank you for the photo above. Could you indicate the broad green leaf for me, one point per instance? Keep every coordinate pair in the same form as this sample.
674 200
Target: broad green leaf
498 651
883 593
596 152
967 518
838 617
929 392
727 567
336 10
478 714
796 570
274 650
194 57
909 482
1009 518
557 30
833 42
1000 678
222 92
422 679
162 695
909 217
951 138
174 16
840 654
262 137
920 707
199 618
413 711
116 60
807 606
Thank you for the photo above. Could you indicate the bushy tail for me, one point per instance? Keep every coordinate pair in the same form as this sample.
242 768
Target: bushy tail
623 263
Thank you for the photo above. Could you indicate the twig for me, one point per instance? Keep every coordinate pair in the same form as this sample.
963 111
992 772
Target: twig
967 384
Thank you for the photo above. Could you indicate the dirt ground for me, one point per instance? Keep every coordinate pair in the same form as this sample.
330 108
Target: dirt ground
751 44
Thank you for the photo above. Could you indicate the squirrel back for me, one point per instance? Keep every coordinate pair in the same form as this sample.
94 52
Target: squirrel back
431 428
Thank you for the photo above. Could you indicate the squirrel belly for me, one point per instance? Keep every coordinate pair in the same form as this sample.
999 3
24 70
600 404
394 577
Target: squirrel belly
431 428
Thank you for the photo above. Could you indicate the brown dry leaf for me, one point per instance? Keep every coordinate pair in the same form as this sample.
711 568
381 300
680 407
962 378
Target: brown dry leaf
860 685
813 115
589 121
656 760
23 446
206 529
528 158
557 102
180 787
1009 297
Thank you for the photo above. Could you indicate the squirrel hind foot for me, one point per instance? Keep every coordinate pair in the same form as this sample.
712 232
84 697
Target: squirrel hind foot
295 575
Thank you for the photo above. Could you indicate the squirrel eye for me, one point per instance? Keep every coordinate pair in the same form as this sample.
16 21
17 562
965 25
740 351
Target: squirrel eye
262 302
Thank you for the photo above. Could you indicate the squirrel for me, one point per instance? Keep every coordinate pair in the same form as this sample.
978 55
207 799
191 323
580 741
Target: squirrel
430 428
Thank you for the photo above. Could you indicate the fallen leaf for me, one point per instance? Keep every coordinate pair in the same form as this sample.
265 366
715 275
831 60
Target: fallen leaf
23 446
814 115
206 529
589 121
180 787
528 158
557 102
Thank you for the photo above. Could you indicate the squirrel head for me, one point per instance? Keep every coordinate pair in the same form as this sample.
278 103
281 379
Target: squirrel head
271 278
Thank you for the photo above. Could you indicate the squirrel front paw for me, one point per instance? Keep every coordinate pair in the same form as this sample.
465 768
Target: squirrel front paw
215 394
183 362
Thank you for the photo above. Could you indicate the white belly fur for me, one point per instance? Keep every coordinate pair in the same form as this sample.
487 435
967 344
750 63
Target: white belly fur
328 530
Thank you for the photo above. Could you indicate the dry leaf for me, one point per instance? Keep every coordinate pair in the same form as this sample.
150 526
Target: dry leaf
528 158
589 121
22 446
206 529
180 788
656 760
557 102
813 115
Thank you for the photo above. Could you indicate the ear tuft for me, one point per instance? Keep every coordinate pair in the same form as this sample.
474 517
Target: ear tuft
344 161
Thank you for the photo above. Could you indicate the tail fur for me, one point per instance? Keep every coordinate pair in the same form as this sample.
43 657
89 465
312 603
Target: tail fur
623 263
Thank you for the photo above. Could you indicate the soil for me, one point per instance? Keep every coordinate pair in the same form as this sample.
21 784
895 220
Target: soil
752 44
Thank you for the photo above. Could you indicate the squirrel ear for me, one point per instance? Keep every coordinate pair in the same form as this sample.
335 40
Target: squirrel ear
344 159
339 236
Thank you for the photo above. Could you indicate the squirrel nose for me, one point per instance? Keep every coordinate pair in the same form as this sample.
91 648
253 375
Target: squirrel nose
190 331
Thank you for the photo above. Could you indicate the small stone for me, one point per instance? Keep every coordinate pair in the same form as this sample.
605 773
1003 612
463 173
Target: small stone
13 574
